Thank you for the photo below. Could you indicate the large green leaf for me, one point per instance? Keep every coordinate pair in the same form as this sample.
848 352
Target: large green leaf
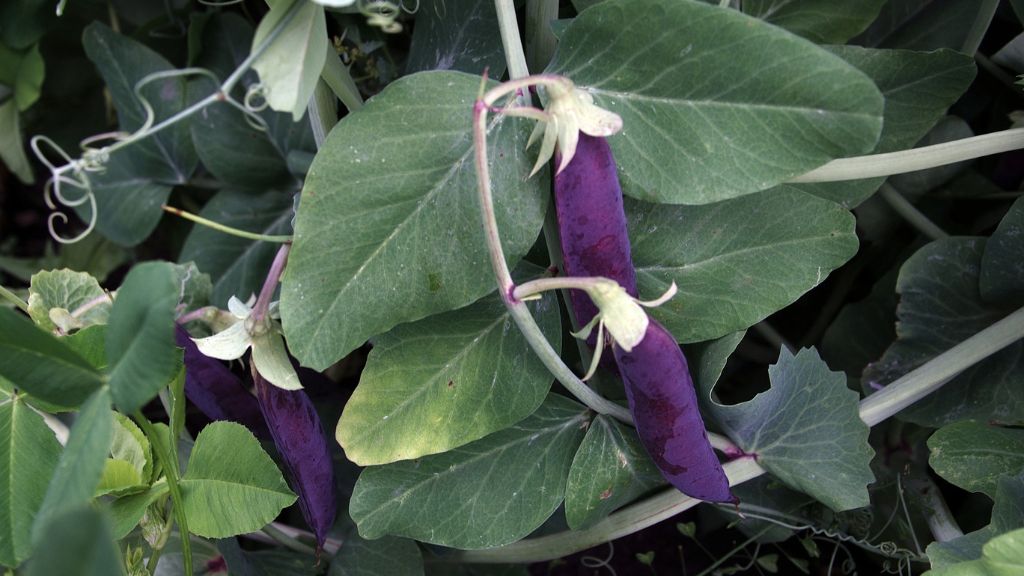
130 466
389 227
140 336
610 469
715 104
386 556
28 456
84 546
81 463
41 364
238 266
940 306
231 486
1002 267
862 330
457 35
168 155
445 381
822 21
22 70
66 291
806 431
291 65
924 24
973 455
1000 556
737 261
1007 514
128 510
488 493
918 88
237 153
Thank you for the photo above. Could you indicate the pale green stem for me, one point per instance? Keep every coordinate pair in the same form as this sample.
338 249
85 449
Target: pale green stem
914 159
13 299
322 113
508 26
534 287
937 514
986 10
287 540
899 203
225 228
540 40
339 79
933 374
873 409
170 465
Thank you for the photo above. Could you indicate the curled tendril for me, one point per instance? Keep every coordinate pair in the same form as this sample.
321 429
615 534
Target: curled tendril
74 174
382 14
595 562
163 75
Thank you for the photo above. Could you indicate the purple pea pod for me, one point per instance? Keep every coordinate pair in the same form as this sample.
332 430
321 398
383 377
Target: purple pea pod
295 427
664 406
216 391
592 223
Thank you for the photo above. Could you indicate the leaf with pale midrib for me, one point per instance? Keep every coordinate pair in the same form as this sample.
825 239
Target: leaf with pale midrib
715 104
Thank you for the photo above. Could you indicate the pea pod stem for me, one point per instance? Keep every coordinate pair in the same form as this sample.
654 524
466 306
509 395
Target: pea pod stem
874 409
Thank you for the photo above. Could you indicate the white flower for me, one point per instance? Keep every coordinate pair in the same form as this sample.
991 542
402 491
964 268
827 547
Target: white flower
621 315
571 111
268 351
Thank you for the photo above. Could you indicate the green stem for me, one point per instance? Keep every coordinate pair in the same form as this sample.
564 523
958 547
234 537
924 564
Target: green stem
915 159
171 473
287 541
339 78
13 299
899 203
873 409
986 10
226 229
508 26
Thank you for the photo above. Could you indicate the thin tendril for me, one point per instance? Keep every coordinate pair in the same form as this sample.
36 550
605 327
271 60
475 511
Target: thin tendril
163 75
595 562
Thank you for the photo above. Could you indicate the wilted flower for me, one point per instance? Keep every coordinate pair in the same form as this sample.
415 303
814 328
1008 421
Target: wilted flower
570 112
268 351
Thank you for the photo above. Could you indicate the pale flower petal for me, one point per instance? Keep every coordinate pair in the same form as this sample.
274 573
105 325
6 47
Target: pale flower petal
620 313
271 361
238 308
227 344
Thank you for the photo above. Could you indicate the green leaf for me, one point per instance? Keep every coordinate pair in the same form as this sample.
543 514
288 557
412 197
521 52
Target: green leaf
28 456
973 455
1007 515
445 381
123 62
127 511
918 88
231 486
391 201
821 21
1000 556
119 477
703 123
488 493
1002 268
386 556
235 152
610 470
81 463
12 152
924 24
770 494
457 35
66 291
194 287
140 336
24 71
23 22
806 431
238 266
940 306
731 275
130 445
292 63
707 360
41 364
85 546
863 329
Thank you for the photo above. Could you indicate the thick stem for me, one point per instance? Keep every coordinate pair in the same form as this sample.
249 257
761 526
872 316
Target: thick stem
982 20
259 310
509 28
899 203
915 159
873 409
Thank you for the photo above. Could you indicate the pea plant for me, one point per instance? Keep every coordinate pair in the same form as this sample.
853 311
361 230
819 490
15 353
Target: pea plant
554 273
